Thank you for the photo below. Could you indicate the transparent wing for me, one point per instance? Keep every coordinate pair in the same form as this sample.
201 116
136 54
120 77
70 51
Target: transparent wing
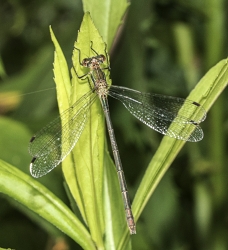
56 140
158 112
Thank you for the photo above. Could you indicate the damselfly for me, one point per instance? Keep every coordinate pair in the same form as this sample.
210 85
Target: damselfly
156 111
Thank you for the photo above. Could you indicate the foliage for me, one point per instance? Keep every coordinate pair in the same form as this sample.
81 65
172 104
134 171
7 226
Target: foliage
165 47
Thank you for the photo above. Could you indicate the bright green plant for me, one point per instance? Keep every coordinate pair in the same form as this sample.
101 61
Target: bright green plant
89 172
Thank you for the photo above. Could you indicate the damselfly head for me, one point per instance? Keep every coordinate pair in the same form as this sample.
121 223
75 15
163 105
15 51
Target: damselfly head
98 59
93 62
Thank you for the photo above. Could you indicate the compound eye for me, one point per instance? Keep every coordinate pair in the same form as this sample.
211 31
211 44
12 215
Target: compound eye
103 57
85 62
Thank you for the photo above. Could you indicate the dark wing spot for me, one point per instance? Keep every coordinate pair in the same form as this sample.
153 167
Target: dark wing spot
196 103
33 160
195 123
33 138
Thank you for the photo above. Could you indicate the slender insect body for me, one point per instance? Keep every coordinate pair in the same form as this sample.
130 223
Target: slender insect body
156 111
101 87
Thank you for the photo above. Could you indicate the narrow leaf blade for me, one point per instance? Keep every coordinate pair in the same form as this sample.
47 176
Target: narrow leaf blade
205 93
40 200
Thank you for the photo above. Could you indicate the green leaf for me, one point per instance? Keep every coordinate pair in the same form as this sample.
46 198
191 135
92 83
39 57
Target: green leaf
107 16
88 154
40 200
205 93
115 221
61 76
84 167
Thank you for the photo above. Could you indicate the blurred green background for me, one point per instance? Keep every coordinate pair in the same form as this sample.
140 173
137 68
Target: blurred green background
164 46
